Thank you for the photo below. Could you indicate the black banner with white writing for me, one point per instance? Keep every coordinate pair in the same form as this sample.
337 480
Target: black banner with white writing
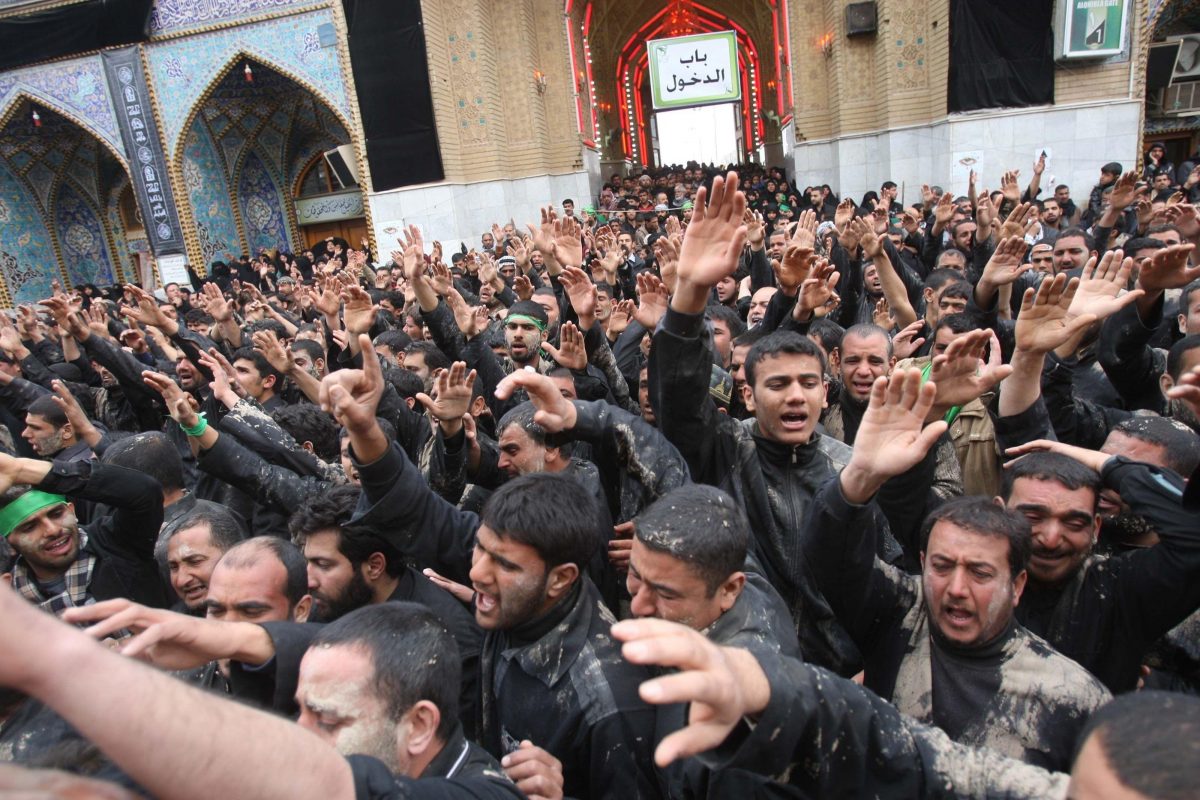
147 163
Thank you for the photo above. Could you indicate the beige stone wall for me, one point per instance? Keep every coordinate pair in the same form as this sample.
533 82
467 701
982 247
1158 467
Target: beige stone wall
492 122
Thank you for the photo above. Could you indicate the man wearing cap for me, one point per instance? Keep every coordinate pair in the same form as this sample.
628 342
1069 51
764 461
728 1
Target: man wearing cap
61 564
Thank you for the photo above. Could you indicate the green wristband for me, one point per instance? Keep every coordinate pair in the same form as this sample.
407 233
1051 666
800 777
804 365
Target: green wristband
199 428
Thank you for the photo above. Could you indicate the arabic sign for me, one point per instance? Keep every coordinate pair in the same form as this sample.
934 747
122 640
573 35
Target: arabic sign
147 167
1093 28
694 70
173 269
329 207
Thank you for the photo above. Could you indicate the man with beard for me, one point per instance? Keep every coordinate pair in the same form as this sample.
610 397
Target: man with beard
549 672
61 564
944 647
351 566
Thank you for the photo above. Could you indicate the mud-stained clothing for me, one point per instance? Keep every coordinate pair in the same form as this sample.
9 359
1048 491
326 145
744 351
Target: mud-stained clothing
824 736
1013 694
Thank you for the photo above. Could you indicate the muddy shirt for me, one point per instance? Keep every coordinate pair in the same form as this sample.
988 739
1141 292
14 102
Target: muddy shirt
1014 694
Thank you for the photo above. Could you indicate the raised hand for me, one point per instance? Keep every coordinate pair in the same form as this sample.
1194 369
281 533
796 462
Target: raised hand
805 234
618 320
756 232
794 267
843 214
464 315
962 374
1009 186
442 281
652 301
178 402
216 304
224 387
1101 284
906 342
943 212
358 312
1007 261
582 294
896 437
872 245
278 356
1124 191
712 244
452 390
351 396
554 413
522 287
1018 218
666 255
568 249
84 429
1044 323
882 314
816 291
1168 269
570 352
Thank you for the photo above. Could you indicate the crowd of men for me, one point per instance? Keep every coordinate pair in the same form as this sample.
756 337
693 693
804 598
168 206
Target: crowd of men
711 486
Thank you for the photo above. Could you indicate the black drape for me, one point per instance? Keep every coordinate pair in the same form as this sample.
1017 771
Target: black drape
75 28
1001 54
391 75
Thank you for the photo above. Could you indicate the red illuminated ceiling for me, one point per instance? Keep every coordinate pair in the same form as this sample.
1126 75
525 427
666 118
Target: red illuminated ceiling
681 17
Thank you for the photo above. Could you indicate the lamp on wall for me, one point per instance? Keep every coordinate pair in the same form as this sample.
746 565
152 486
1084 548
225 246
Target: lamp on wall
248 73
539 81
826 44
36 119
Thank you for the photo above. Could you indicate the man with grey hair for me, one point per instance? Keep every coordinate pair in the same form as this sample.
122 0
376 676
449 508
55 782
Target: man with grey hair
189 547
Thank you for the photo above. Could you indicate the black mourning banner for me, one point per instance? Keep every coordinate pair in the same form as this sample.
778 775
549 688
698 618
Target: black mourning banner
391 76
65 29
147 165
1001 54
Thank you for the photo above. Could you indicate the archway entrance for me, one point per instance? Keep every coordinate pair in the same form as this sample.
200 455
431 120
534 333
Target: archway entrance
60 206
706 134
246 156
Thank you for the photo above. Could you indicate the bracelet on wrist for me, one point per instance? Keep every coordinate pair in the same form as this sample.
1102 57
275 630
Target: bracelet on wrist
199 428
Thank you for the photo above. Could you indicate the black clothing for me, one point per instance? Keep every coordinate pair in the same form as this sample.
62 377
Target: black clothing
772 482
1013 694
1114 608
822 736
123 542
571 693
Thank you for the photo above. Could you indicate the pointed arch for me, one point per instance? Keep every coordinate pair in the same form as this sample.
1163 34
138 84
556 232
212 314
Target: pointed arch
248 54
32 96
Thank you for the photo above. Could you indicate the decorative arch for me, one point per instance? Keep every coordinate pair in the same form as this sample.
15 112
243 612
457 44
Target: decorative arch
249 55
25 94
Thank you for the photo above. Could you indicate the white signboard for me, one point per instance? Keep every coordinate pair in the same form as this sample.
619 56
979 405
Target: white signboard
173 269
329 207
694 70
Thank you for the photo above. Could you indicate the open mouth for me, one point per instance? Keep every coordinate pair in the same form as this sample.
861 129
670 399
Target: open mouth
793 421
958 617
58 546
484 603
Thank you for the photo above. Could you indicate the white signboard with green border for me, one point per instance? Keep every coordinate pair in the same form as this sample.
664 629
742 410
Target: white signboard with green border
695 70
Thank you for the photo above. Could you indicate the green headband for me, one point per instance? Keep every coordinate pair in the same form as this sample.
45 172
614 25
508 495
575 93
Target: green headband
537 323
25 506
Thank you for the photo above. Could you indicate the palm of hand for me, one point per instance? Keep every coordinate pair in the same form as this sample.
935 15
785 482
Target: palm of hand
651 308
888 434
358 315
704 259
568 250
452 402
795 266
1041 329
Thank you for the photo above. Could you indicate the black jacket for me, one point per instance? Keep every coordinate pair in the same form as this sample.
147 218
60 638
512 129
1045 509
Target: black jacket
461 771
122 542
823 736
1014 694
1115 608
